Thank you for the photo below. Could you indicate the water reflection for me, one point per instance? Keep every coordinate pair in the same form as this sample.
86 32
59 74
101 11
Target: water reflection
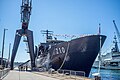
107 74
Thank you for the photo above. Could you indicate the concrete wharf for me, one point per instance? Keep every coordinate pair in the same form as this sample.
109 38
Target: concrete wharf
26 75
23 75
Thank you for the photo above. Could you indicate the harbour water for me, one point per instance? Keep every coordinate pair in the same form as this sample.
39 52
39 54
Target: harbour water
107 74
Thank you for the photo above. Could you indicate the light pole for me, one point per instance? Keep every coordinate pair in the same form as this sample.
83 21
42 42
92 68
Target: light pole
3 46
9 55
0 53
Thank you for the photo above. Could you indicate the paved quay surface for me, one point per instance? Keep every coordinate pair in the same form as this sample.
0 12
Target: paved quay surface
22 75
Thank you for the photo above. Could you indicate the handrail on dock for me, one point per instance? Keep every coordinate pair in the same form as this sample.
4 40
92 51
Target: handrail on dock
71 72
3 73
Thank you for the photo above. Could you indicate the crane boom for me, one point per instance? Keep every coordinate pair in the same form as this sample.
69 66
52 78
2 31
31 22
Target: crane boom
117 31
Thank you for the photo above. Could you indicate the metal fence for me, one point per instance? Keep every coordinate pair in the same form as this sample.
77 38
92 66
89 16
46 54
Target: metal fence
65 74
3 73
71 73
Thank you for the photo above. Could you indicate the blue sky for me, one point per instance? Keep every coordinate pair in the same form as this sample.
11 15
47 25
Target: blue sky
73 17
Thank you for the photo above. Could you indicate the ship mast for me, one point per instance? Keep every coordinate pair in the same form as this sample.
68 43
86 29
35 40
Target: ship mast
117 31
48 34
115 49
99 57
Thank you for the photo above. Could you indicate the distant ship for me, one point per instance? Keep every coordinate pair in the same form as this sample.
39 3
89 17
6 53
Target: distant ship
110 60
77 54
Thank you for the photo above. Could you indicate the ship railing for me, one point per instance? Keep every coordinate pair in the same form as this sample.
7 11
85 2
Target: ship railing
71 73
4 73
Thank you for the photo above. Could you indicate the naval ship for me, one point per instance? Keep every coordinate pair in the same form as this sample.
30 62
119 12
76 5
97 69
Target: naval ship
110 60
77 54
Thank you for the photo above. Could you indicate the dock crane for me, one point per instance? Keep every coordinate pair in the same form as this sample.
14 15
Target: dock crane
117 31
25 18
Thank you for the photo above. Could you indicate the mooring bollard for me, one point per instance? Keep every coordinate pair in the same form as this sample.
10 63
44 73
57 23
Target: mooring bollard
97 78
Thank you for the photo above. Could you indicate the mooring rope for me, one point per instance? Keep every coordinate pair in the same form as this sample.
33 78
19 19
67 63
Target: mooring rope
65 56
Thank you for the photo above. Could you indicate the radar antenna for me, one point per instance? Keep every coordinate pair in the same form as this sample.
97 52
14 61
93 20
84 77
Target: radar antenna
48 34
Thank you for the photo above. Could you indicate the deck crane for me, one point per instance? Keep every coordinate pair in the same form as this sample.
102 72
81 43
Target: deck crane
117 31
25 18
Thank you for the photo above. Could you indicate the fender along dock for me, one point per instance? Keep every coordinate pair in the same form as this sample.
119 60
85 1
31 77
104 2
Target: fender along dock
34 75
